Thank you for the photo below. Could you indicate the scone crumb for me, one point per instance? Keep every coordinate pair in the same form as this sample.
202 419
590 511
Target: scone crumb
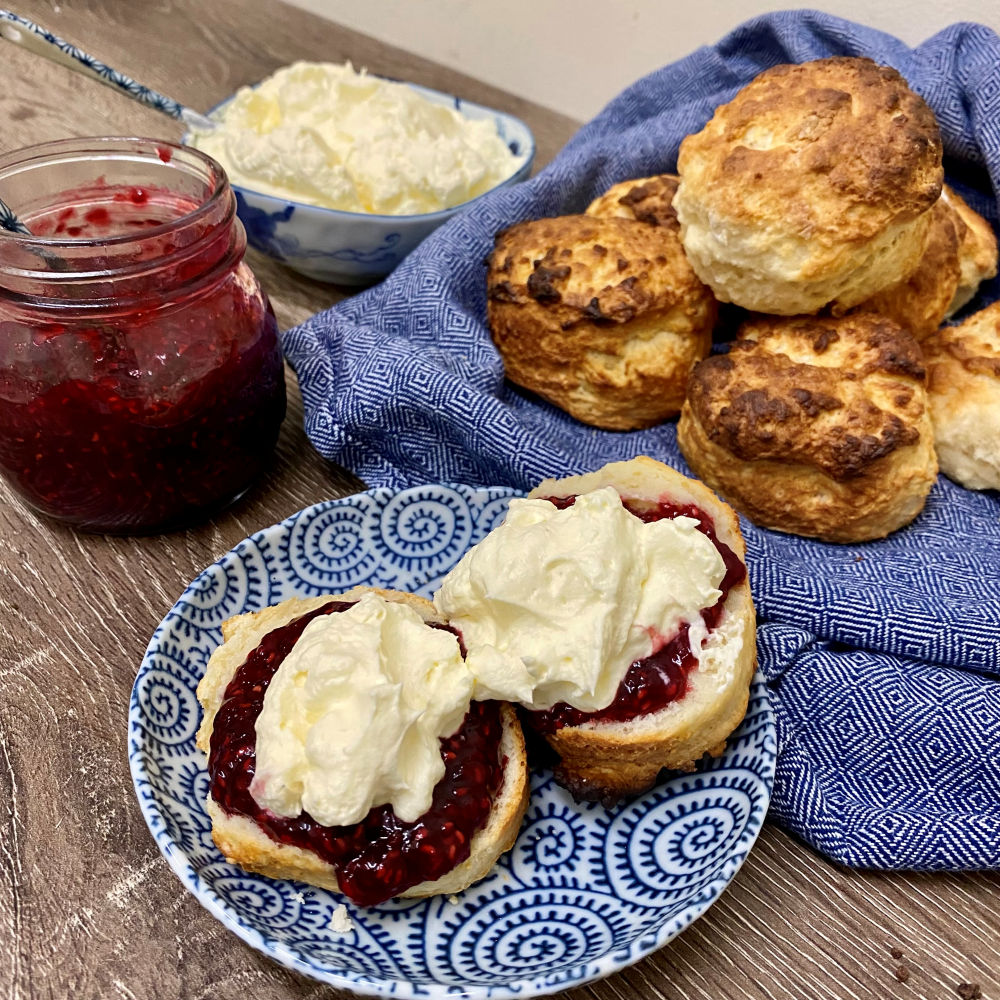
453 899
340 922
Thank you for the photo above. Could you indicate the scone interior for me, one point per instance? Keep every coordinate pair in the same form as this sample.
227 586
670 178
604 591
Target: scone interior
963 365
811 187
815 426
476 810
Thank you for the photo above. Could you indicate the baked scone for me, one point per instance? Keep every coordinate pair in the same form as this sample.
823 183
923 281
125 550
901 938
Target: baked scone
610 759
229 694
603 317
977 250
816 426
920 302
648 199
963 386
811 187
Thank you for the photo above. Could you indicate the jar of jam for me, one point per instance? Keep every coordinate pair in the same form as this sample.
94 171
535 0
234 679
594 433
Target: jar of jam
141 381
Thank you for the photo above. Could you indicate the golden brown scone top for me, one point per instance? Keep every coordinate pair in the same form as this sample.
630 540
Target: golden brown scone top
602 317
648 199
837 146
583 268
920 302
834 394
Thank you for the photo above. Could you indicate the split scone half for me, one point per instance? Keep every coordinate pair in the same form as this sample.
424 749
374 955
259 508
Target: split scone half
624 758
488 738
614 608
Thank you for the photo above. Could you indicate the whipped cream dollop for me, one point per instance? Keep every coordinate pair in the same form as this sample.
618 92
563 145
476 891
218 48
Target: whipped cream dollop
353 716
326 135
554 605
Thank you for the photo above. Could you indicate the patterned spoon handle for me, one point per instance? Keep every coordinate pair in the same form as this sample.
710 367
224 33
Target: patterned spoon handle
10 222
31 36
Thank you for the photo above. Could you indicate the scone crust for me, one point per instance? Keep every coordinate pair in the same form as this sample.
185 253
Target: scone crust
603 317
647 199
920 302
612 760
963 367
815 426
977 250
244 843
809 187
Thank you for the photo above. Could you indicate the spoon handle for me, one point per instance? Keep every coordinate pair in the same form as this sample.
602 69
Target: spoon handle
20 31
10 222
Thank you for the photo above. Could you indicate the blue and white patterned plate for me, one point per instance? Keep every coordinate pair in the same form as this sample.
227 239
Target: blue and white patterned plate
585 891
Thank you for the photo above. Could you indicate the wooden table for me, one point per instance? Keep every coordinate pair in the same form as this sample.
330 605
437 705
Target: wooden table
88 908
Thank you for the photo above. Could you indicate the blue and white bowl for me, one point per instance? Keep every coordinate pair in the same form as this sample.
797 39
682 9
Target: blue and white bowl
357 248
585 890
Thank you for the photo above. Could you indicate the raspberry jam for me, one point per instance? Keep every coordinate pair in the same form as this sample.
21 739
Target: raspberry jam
652 683
141 381
381 856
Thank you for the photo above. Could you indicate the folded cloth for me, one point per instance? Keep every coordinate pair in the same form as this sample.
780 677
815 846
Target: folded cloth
883 658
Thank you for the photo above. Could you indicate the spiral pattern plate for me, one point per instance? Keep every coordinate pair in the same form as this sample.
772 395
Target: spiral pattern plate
585 891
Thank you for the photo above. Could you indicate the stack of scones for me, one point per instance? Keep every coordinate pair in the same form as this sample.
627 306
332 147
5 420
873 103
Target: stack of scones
814 201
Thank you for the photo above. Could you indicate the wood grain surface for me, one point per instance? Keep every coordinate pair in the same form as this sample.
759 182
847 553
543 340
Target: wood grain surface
88 908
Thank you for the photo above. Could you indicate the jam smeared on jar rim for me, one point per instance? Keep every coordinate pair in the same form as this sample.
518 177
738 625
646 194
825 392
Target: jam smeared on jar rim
381 856
102 211
650 684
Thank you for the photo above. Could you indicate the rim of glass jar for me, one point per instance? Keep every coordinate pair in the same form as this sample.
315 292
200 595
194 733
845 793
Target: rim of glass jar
48 151
83 274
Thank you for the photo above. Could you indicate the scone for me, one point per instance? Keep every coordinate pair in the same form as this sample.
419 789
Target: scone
602 317
920 302
811 187
816 426
963 385
476 808
615 608
647 199
977 250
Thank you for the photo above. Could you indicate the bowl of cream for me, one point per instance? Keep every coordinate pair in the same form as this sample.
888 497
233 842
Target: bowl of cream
340 174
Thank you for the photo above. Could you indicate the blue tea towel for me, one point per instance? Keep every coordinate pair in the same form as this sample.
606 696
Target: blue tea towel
883 658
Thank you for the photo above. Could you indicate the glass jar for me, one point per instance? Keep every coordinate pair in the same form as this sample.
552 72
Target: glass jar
141 381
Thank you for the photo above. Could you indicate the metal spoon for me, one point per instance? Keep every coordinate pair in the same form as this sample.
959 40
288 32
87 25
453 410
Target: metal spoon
31 36
12 224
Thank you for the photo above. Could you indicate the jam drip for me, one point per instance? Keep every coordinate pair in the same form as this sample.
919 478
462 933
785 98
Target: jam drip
381 856
651 684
